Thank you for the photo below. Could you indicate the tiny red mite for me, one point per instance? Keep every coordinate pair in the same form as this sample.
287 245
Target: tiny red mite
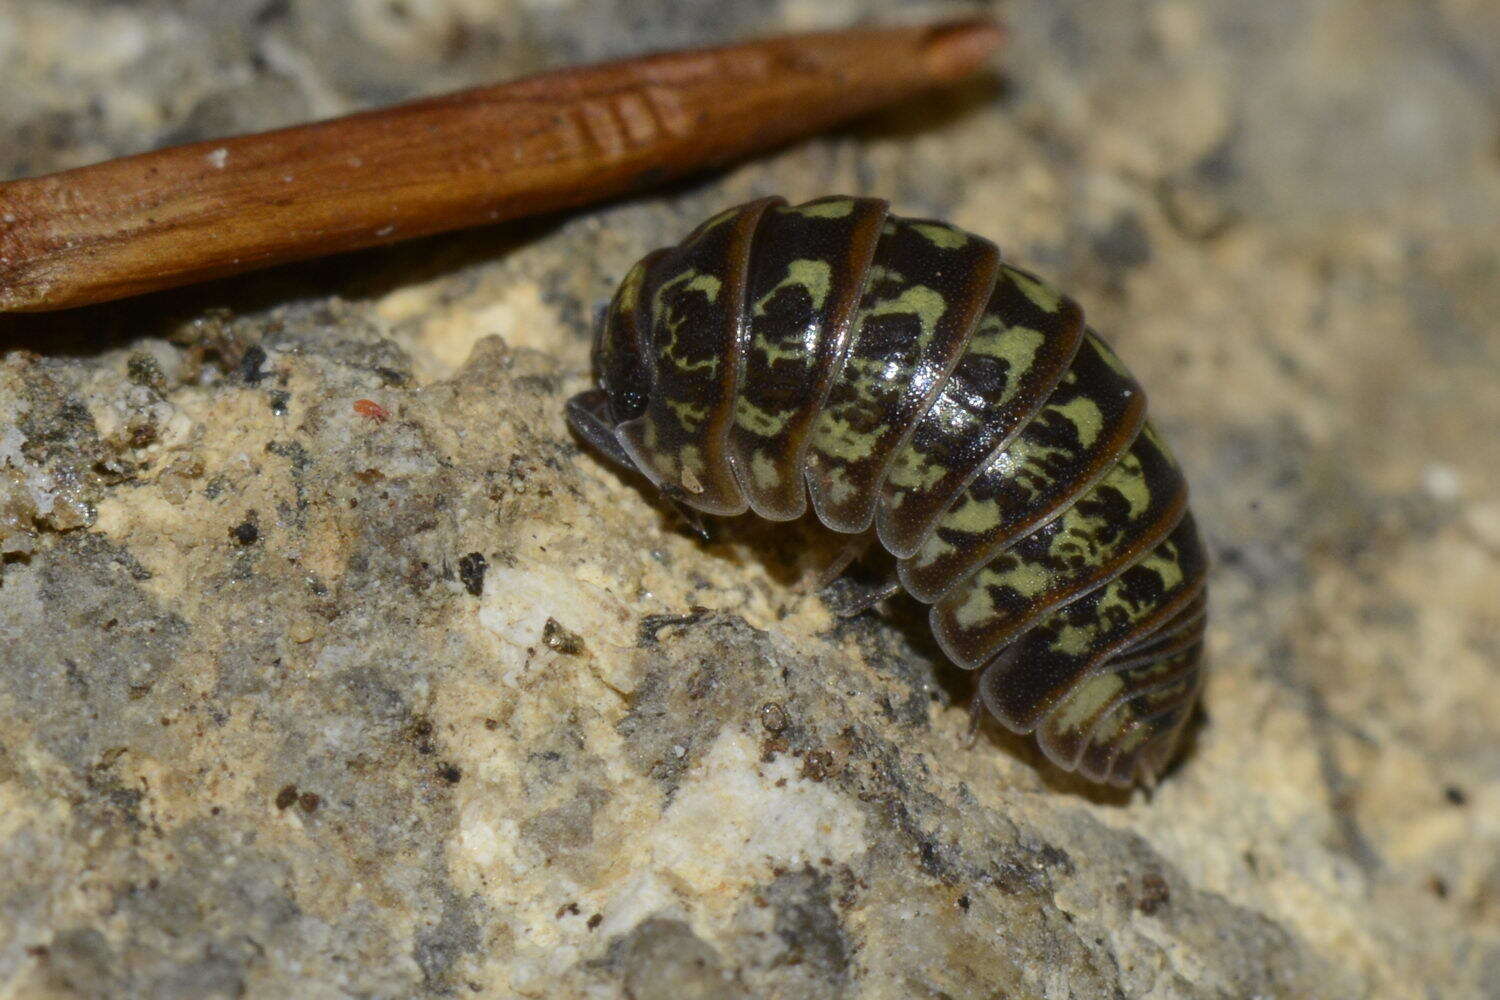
371 410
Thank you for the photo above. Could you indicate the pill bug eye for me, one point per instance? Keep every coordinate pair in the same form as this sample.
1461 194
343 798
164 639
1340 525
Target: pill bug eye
902 380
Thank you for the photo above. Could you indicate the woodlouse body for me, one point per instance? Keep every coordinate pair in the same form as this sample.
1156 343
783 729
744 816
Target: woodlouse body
909 383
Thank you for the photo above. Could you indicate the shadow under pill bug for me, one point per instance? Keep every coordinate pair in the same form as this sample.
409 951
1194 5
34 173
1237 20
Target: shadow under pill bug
901 378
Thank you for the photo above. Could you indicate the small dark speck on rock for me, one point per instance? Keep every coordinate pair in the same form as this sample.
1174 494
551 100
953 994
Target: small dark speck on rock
286 797
1455 795
418 731
560 639
651 625
817 765
142 369
389 376
309 801
471 570
1154 894
142 434
596 920
450 773
773 717
246 532
250 365
279 400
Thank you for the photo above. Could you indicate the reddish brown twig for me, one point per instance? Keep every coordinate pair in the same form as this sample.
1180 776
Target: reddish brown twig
556 140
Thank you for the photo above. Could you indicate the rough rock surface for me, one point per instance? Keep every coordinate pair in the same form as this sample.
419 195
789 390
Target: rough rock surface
307 696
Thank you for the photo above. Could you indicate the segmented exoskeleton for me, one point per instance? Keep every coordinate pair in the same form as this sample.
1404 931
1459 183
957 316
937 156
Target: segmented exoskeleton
913 385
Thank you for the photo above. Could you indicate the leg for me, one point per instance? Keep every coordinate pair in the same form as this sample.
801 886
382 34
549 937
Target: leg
856 599
976 716
694 518
851 551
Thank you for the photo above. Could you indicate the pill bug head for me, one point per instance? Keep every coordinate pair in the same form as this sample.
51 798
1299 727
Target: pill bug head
621 369
666 362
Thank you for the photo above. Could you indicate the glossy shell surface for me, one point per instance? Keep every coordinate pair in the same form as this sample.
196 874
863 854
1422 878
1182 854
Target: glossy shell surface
899 377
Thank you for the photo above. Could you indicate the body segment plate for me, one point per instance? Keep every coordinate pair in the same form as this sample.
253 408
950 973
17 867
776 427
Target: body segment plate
693 298
1085 427
1020 350
927 287
807 269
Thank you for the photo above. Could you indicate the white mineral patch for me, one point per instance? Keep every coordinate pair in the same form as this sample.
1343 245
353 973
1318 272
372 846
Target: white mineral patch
735 818
518 602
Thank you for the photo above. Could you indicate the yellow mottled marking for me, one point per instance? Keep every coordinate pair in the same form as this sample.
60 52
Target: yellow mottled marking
837 487
688 415
814 275
1017 346
933 549
763 471
1074 640
972 516
835 438
1107 731
1026 578
976 609
912 470
1115 607
711 365
691 281
775 352
1023 465
1086 701
1085 416
1110 357
945 237
1078 532
1128 478
691 459
759 421
708 284
927 304
1130 733
834 208
664 465
1044 297
1164 562
630 289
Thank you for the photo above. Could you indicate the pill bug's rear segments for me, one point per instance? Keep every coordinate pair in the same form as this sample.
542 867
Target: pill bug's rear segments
895 371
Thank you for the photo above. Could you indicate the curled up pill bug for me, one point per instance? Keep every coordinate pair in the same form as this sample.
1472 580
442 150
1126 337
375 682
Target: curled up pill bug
913 388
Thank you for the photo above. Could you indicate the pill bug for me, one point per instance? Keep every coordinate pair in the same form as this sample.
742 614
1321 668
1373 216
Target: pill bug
899 376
